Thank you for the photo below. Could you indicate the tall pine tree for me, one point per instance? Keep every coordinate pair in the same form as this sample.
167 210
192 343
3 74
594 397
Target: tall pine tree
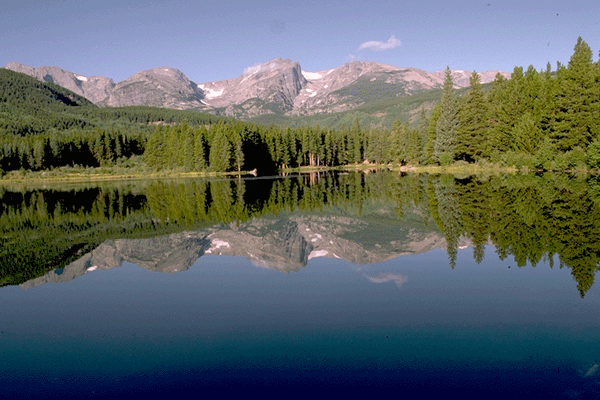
471 137
575 118
447 124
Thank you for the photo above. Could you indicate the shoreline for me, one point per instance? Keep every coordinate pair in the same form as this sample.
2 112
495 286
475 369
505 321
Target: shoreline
112 174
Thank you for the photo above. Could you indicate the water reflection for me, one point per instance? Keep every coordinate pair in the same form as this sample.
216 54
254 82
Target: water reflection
405 282
284 223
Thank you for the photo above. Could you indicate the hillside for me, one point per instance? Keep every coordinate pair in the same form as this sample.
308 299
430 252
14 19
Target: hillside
29 106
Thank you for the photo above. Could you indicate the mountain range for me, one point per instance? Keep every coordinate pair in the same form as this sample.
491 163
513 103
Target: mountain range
278 87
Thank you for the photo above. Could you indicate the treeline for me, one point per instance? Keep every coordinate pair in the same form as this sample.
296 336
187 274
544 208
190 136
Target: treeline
43 126
236 146
83 148
543 120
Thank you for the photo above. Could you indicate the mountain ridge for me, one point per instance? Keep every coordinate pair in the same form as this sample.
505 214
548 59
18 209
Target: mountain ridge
278 87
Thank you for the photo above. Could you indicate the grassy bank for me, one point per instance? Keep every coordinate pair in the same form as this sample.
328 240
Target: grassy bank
127 173
112 173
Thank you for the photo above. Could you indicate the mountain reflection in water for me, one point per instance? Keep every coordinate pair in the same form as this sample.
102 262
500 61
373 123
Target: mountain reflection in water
283 223
386 284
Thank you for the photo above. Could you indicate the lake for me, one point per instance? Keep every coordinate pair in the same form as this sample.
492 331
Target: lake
319 283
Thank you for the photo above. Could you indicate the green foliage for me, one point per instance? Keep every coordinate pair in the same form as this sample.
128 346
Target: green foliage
448 123
574 120
519 160
593 154
545 155
471 136
220 156
526 134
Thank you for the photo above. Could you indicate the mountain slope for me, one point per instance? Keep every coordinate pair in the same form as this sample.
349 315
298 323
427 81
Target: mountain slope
276 88
28 106
95 88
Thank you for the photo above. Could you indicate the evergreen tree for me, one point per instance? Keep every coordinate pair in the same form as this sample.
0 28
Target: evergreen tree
396 142
423 125
220 149
428 149
356 135
575 118
447 124
200 148
471 137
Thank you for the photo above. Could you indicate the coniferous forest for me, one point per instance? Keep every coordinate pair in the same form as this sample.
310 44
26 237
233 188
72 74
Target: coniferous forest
542 120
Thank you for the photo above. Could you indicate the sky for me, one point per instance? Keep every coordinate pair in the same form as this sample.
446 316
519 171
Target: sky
216 40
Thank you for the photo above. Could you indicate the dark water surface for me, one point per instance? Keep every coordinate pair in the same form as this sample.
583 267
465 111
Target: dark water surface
369 301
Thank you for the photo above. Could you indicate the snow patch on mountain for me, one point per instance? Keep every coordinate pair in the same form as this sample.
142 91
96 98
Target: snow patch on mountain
317 254
211 93
311 75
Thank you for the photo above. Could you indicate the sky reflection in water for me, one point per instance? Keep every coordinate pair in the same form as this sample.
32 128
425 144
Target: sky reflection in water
410 324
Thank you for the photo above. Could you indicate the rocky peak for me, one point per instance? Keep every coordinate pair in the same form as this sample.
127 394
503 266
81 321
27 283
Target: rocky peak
158 87
263 88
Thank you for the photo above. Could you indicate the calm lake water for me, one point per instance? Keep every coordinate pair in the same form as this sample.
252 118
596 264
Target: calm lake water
379 283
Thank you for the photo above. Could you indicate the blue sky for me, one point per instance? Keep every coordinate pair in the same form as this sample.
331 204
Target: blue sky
214 40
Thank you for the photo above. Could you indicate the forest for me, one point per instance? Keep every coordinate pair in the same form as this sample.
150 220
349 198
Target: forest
541 120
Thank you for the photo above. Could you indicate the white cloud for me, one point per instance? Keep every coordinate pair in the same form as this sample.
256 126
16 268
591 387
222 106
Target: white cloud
379 46
388 277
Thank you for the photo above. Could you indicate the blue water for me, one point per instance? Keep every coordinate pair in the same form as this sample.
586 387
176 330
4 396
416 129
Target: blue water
410 327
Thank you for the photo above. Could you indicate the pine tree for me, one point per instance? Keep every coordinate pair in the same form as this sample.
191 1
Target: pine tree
396 143
506 108
423 124
428 150
220 149
471 136
447 124
576 115
200 135
356 135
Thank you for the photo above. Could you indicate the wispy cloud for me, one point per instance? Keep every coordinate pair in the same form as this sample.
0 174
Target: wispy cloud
388 277
376 45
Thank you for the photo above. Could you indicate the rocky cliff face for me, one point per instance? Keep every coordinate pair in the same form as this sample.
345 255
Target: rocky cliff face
276 87
265 88
157 87
95 88
358 82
